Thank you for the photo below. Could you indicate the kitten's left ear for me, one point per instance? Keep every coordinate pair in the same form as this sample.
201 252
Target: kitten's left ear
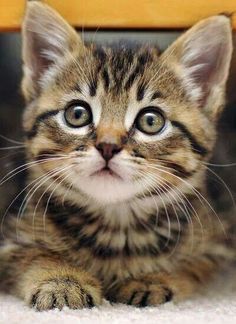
47 39
201 58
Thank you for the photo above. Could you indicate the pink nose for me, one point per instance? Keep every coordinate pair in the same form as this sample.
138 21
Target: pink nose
108 150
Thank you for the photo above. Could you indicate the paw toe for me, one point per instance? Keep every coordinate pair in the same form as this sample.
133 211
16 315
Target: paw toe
151 295
57 294
139 298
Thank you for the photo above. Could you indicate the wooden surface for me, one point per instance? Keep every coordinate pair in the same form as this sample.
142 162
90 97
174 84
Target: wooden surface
122 13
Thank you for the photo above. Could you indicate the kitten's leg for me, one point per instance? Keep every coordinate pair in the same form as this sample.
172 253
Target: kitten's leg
158 288
44 281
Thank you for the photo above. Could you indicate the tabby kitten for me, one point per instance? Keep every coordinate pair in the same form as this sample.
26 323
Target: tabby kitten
117 142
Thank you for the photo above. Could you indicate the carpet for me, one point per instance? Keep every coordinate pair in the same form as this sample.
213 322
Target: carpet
217 305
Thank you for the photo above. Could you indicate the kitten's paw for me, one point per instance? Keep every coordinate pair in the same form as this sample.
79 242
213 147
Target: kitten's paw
142 294
64 291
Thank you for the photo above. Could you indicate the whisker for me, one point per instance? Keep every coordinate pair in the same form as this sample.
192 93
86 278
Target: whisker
157 209
166 211
10 140
33 190
95 34
220 165
225 185
27 166
61 169
56 171
66 193
197 193
7 148
50 196
187 215
29 195
180 195
185 210
20 151
14 200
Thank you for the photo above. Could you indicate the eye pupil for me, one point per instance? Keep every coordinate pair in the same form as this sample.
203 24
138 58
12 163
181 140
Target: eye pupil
78 112
150 120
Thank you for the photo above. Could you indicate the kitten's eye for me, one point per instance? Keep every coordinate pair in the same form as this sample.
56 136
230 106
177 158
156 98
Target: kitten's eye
78 114
150 121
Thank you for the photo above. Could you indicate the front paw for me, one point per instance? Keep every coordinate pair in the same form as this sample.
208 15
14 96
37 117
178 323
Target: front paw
142 294
64 291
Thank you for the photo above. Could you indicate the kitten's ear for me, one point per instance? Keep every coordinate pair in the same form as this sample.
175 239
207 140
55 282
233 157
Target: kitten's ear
47 38
201 58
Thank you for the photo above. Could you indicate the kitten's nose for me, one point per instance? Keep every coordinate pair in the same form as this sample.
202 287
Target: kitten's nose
108 150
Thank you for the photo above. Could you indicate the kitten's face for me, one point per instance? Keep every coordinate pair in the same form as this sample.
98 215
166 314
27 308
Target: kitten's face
121 123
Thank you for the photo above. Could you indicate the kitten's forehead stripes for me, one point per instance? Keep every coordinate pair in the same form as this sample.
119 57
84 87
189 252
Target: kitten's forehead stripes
77 88
138 70
93 88
120 66
157 94
101 57
141 91
106 79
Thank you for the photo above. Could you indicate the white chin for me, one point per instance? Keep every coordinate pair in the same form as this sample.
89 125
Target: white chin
107 188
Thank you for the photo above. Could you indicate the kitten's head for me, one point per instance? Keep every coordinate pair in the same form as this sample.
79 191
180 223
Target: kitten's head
117 122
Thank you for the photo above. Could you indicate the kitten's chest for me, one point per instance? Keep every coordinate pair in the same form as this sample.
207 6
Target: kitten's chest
118 244
116 253
131 237
117 256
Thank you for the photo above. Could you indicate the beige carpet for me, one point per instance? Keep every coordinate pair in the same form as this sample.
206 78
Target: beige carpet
217 306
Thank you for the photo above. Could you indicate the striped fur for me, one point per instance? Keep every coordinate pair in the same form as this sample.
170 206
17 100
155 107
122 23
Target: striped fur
141 231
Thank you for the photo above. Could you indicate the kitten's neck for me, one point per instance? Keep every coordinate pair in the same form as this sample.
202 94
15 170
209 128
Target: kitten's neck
122 213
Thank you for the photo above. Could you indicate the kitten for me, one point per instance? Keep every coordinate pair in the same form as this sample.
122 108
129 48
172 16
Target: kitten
117 141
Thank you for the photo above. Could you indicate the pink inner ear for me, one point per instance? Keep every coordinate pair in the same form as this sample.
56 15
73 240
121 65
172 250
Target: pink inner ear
206 67
40 62
206 57
46 39
206 70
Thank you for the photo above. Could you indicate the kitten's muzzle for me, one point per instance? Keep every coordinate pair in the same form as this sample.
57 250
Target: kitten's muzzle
108 150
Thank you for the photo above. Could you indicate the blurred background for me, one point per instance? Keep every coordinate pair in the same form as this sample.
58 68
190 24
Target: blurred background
12 105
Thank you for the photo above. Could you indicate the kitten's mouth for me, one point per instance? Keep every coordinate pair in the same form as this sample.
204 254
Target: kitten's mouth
106 172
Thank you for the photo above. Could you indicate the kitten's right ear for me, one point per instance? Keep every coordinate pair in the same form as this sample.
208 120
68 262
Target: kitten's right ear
47 39
201 58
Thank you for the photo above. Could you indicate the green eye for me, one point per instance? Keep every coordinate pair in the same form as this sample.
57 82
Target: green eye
150 121
78 114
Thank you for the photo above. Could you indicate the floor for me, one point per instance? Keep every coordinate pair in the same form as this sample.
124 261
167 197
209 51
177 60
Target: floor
217 305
